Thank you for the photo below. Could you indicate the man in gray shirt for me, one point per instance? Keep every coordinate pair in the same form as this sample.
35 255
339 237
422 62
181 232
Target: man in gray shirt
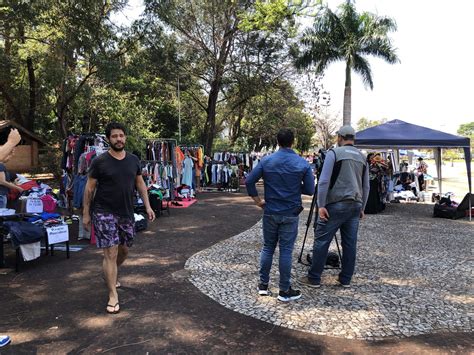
343 190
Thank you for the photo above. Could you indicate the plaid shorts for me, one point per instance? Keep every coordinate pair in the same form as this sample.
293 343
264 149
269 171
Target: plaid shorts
112 230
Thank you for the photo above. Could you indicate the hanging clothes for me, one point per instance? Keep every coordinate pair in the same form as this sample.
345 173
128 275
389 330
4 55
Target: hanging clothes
179 159
200 157
188 172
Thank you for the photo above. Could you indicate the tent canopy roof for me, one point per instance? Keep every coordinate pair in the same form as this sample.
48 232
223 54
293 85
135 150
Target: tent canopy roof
400 134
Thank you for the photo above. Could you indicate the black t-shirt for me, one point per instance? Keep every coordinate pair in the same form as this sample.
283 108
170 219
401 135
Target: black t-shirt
115 183
4 189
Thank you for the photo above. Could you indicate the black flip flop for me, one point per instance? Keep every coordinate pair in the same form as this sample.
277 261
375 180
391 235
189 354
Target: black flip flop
113 306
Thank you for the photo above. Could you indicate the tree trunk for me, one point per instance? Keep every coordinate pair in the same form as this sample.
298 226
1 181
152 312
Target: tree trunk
210 127
11 110
61 115
236 127
7 50
224 50
62 121
29 121
61 107
346 116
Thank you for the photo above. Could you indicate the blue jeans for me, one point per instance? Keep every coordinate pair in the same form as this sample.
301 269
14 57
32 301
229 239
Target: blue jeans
280 230
344 216
79 185
3 201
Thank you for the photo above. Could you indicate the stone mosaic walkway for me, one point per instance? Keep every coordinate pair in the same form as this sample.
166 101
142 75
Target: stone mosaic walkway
414 276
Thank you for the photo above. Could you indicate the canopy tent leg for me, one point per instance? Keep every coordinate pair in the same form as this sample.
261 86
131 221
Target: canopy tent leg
467 158
438 161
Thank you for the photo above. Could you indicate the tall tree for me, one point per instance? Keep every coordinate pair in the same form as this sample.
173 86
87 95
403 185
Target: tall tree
206 31
275 107
260 59
58 46
213 37
15 18
349 36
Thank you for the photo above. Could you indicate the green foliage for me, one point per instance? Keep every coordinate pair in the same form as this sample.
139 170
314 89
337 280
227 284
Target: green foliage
365 123
466 129
266 15
270 15
50 50
452 154
50 162
65 67
223 44
275 108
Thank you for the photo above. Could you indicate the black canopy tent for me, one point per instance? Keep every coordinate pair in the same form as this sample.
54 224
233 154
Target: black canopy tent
398 134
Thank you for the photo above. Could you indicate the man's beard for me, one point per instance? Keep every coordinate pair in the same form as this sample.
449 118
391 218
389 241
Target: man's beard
117 149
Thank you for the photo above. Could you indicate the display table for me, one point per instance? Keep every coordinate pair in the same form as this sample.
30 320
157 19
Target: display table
52 235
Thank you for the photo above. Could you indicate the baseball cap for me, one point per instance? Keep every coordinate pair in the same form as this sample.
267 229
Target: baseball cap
345 131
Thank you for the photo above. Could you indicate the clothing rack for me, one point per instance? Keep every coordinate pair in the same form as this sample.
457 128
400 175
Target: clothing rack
220 174
162 152
152 152
74 178
192 147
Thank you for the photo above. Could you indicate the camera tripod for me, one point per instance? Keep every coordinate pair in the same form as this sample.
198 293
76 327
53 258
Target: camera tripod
308 224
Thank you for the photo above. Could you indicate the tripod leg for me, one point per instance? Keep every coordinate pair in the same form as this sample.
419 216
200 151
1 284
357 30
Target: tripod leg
308 224
300 260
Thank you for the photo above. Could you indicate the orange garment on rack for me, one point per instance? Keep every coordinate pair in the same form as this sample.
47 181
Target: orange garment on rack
200 157
179 159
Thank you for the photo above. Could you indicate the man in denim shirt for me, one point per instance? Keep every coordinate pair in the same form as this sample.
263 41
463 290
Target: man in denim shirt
286 176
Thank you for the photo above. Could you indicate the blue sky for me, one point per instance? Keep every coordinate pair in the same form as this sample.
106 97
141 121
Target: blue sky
431 85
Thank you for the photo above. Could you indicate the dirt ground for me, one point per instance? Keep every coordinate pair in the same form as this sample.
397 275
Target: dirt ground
55 305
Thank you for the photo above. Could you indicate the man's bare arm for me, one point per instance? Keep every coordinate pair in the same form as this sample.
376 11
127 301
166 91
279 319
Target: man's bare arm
13 139
89 191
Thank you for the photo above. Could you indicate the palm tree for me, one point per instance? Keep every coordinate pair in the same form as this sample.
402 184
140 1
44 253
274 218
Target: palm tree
349 36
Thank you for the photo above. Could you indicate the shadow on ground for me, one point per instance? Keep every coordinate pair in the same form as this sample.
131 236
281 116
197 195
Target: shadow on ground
58 305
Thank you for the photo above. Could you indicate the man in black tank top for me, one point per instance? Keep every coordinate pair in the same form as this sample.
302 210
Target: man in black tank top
108 205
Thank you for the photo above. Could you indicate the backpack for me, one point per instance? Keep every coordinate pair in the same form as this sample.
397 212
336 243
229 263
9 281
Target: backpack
155 203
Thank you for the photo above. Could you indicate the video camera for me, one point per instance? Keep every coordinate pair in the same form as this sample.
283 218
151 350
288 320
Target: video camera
319 162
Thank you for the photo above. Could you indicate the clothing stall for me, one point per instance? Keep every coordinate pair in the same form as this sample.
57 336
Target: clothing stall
33 222
192 165
159 170
78 153
380 175
224 171
159 167
397 134
29 233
